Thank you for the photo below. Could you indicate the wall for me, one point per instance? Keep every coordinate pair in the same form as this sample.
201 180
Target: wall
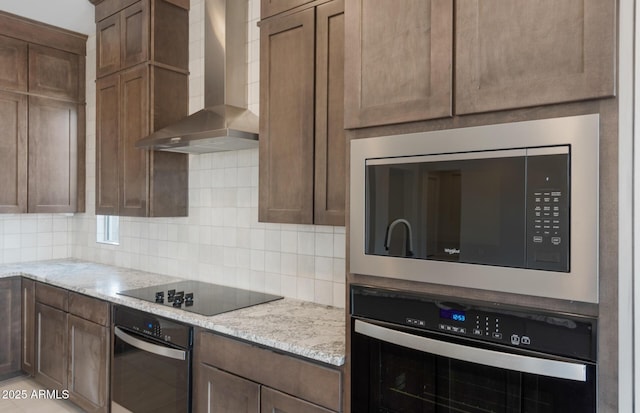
221 241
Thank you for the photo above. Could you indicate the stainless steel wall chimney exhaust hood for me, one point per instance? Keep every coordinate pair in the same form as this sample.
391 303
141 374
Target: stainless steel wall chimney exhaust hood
224 124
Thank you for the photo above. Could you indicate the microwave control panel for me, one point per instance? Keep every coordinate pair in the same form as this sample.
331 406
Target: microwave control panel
548 212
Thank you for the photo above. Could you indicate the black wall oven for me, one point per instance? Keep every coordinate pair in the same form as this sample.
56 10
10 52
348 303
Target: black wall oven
151 363
417 353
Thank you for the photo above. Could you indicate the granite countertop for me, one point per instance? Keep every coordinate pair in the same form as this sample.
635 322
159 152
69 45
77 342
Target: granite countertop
298 327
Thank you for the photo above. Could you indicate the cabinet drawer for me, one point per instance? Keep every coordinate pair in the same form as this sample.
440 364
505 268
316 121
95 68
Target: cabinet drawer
309 381
274 401
52 296
89 308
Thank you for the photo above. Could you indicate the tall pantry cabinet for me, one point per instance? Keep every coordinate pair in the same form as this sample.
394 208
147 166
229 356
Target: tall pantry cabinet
42 112
142 74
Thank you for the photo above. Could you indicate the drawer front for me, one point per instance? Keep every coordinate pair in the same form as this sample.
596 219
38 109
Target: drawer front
89 308
305 380
52 296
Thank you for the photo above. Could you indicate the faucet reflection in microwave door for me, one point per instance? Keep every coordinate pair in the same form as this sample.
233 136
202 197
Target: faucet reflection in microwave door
409 236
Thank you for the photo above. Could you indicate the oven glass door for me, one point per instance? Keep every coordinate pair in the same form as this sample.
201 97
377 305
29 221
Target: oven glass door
148 376
389 377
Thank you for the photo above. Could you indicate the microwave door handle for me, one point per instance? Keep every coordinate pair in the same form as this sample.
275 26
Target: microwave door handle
150 347
515 362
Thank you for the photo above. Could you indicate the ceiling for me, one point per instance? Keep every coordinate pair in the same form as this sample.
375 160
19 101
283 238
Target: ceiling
76 15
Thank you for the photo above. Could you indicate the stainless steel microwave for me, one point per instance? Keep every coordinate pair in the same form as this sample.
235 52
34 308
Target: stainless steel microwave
509 207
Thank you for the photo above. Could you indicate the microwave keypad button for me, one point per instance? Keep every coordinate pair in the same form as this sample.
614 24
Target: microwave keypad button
547 200
537 239
477 332
546 208
555 240
497 336
556 193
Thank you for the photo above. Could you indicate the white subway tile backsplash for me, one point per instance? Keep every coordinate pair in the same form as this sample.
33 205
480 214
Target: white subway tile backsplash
324 244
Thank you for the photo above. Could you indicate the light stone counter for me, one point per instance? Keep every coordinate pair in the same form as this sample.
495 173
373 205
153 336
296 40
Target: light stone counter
302 328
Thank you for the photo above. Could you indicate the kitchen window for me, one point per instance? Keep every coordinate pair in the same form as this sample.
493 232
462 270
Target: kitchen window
108 229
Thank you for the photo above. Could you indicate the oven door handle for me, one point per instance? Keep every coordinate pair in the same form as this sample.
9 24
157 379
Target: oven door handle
149 347
509 361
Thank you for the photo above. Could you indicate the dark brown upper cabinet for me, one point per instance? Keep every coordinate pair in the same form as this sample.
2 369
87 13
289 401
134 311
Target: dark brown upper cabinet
528 53
142 60
145 30
42 112
398 61
302 141
13 64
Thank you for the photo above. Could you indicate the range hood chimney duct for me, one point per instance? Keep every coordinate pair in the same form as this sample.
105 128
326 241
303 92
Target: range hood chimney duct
224 124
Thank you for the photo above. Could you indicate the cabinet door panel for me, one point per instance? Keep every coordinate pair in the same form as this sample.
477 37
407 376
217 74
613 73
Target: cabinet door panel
135 34
134 115
398 61
524 53
286 124
51 347
219 392
9 326
13 153
53 73
272 401
108 55
87 364
28 326
13 64
107 144
53 155
330 140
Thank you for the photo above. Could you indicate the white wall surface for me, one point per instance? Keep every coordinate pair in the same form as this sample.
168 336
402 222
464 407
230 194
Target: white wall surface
221 241
76 15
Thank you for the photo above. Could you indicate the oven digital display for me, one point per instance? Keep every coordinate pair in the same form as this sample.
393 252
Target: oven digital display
455 315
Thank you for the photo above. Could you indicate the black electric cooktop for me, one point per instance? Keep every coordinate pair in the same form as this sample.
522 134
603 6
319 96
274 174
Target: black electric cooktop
200 297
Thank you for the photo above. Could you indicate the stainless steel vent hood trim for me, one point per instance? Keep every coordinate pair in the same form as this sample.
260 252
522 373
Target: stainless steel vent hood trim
225 124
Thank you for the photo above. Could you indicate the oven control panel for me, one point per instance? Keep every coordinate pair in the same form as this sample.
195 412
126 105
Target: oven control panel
150 325
553 333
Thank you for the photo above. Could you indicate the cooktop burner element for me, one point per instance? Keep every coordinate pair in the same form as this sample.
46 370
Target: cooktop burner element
200 297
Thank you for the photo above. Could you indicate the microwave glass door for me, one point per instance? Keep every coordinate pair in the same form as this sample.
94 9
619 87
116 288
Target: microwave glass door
475 208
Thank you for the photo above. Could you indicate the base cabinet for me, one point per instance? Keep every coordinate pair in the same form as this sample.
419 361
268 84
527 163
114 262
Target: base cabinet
28 296
273 401
88 364
223 392
51 347
231 376
9 326
72 344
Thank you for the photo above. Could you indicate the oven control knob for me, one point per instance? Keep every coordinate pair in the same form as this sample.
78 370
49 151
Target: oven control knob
160 297
170 295
177 301
188 299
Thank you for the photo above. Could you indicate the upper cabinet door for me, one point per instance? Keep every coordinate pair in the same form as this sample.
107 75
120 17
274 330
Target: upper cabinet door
13 64
397 61
134 125
108 55
330 140
525 53
122 40
53 73
13 152
53 155
286 118
107 144
271 7
135 34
